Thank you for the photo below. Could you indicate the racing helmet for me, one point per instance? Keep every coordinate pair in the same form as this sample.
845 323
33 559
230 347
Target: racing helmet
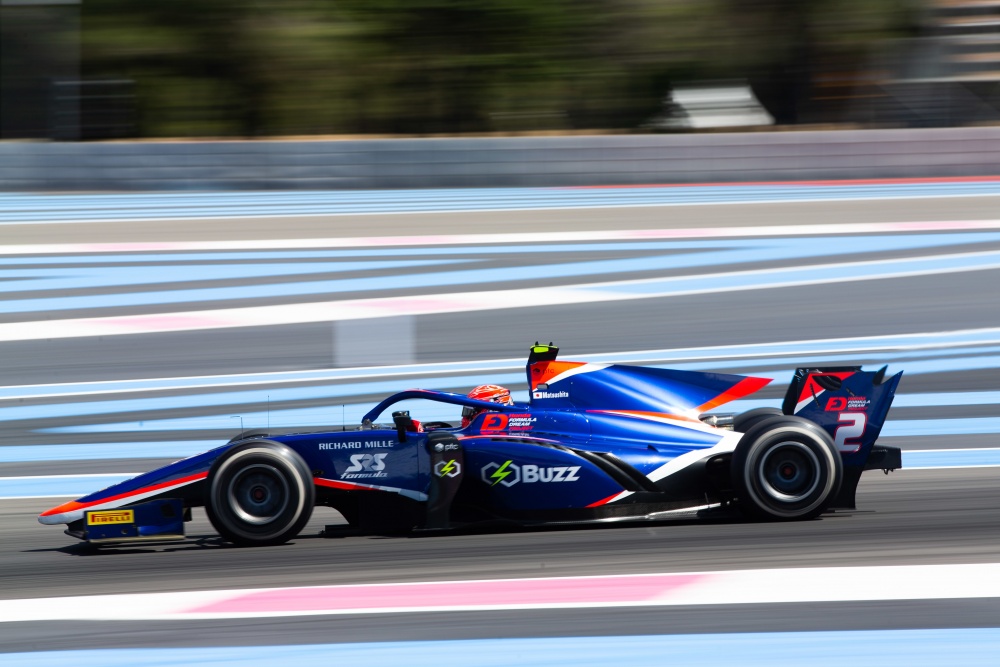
493 393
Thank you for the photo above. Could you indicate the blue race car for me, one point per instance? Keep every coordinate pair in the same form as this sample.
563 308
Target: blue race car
595 442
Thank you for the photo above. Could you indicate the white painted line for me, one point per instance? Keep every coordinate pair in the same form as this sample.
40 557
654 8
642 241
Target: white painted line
492 239
771 586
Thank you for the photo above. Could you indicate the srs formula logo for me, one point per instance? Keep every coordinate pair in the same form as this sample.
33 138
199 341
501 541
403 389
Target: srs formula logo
509 473
366 465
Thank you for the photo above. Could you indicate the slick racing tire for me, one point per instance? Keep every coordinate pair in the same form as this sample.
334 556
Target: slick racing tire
260 493
786 468
744 421
246 435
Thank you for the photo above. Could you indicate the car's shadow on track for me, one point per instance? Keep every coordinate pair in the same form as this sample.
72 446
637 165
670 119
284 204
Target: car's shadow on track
192 543
212 542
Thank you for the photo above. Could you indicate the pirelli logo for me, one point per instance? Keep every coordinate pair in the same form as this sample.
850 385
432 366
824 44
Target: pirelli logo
109 517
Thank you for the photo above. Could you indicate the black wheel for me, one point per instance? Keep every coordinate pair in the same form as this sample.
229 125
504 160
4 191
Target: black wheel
744 421
259 493
786 468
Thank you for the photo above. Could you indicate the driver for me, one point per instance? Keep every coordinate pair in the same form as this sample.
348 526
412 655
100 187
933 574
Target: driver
485 392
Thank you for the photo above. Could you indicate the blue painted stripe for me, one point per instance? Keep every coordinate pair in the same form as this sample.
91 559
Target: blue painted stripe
42 208
341 286
102 451
756 250
972 647
89 277
54 487
927 427
954 458
801 275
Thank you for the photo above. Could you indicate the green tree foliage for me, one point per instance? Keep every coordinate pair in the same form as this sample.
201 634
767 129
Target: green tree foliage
304 67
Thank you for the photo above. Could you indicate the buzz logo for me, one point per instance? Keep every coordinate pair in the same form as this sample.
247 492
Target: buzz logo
509 473
450 468
366 465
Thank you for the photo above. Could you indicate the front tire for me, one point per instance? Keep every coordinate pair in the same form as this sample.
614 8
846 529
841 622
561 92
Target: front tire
261 493
786 468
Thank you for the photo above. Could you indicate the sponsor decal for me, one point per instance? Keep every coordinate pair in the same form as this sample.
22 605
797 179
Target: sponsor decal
494 422
523 422
357 444
109 517
550 394
366 465
841 403
509 473
450 468
857 403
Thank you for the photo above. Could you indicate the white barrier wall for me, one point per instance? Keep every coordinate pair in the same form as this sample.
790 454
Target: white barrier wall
500 162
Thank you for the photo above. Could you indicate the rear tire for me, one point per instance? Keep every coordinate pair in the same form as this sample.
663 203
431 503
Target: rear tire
260 493
745 421
786 468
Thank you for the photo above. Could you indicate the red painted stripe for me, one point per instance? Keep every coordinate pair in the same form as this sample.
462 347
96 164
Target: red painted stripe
343 486
604 501
578 590
850 181
744 387
811 387
75 505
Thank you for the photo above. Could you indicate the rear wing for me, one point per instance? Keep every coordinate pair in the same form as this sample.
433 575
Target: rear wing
851 404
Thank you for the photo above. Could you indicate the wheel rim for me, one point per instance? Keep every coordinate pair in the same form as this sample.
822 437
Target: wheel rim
258 494
789 472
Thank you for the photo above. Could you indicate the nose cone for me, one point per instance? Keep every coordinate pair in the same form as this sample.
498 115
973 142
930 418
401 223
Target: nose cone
65 513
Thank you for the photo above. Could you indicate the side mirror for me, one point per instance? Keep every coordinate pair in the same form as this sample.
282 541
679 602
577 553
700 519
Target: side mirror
403 423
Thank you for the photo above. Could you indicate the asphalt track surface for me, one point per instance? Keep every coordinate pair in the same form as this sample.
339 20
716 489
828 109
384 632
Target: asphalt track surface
944 516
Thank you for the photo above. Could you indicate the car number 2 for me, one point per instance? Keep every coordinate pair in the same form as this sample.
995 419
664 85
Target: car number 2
848 435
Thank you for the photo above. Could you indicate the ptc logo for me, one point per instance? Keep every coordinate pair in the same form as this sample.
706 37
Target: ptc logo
450 468
507 474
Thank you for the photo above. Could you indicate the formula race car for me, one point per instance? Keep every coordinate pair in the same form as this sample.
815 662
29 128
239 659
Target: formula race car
595 442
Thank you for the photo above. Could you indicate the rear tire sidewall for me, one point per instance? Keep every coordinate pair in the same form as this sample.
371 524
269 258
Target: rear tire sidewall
263 471
745 421
786 468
